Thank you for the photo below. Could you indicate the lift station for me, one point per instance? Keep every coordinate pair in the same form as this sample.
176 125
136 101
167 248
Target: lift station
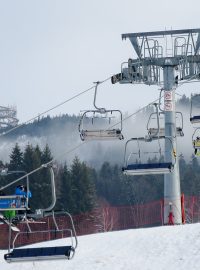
164 58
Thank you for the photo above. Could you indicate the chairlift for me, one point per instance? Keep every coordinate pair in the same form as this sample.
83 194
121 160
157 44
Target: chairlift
40 213
160 131
92 131
138 162
13 202
45 253
195 109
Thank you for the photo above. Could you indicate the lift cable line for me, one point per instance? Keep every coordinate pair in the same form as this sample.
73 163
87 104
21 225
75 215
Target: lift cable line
82 143
74 148
43 165
52 108
68 100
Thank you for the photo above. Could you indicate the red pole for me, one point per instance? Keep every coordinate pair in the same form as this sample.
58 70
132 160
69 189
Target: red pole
183 208
171 216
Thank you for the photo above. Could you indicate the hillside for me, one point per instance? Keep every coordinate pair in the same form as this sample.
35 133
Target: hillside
160 248
61 134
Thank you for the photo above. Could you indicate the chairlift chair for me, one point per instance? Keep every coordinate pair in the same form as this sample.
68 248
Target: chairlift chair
195 109
153 131
141 167
97 133
93 133
39 213
44 253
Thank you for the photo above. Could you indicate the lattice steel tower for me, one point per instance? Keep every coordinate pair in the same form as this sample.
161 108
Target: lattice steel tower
8 117
165 58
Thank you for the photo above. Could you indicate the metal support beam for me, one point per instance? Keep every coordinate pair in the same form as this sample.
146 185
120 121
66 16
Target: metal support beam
172 194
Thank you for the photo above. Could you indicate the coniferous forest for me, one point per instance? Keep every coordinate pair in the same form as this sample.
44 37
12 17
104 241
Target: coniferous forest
80 188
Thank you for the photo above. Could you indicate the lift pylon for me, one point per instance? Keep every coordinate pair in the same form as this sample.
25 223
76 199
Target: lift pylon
164 58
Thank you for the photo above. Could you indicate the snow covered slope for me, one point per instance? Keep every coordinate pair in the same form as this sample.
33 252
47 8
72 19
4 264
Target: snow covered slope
160 248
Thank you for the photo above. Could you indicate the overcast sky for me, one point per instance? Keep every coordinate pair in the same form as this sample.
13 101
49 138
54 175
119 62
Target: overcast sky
52 49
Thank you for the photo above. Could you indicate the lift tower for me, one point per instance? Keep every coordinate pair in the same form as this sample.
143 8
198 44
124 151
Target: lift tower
165 58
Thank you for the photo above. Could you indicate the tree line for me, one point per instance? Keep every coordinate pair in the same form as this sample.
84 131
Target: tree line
80 188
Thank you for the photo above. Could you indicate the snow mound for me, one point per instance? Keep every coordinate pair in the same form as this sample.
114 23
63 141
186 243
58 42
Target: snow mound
159 248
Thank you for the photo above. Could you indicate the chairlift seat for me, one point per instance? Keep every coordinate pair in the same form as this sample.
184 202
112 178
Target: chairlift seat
148 168
13 202
154 131
109 134
195 119
39 254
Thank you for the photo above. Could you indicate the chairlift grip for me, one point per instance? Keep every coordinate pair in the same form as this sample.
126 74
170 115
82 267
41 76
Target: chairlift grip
101 110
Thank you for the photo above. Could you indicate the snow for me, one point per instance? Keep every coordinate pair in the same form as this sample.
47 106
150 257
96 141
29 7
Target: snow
158 248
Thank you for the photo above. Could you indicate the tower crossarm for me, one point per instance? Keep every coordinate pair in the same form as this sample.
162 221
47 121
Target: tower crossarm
156 50
162 33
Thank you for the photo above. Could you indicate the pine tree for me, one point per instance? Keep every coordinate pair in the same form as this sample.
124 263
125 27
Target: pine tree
31 158
83 187
16 159
15 167
104 182
31 161
64 186
46 155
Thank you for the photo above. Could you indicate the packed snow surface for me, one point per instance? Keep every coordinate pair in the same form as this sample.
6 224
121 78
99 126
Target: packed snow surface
159 248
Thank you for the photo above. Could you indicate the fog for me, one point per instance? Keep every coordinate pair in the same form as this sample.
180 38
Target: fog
65 143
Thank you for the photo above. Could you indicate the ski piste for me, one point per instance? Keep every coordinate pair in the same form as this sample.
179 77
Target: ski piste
13 227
